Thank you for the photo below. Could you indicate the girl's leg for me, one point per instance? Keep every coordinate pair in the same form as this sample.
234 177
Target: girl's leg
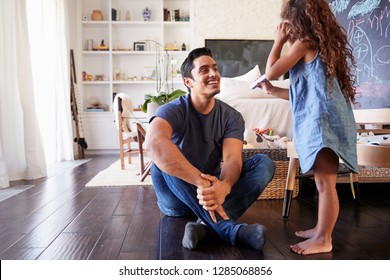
320 237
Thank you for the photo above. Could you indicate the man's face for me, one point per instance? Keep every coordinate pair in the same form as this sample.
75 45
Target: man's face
206 76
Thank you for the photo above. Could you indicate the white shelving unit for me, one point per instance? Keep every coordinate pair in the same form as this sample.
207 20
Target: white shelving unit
121 68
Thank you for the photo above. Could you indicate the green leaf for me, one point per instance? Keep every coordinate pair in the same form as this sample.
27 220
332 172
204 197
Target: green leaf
148 97
145 106
176 94
161 98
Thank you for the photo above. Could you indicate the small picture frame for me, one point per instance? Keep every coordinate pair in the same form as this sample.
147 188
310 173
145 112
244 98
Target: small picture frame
139 46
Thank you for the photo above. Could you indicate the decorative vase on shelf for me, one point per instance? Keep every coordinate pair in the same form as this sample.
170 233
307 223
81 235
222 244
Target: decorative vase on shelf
97 15
147 13
152 108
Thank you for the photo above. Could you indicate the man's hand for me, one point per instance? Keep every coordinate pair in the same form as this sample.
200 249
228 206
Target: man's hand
213 197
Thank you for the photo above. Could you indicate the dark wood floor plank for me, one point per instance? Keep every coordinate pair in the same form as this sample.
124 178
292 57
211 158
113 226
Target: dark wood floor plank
365 243
21 253
16 208
30 221
99 210
128 202
111 241
147 202
143 234
149 255
219 249
7 240
50 228
65 185
70 246
5 223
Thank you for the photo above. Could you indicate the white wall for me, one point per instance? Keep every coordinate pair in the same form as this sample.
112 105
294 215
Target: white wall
234 19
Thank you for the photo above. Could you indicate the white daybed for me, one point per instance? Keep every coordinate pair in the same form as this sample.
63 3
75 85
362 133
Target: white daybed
259 109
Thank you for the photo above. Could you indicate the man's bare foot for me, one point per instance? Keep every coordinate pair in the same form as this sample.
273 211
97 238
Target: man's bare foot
310 233
311 246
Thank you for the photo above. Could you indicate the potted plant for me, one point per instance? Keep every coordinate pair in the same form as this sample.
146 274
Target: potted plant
163 72
161 98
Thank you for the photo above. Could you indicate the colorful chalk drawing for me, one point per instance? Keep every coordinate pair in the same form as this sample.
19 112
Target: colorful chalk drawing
368 27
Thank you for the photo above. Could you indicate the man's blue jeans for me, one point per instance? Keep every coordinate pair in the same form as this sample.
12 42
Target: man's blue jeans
177 198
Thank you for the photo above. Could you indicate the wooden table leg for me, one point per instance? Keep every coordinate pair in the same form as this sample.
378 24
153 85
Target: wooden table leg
146 171
290 182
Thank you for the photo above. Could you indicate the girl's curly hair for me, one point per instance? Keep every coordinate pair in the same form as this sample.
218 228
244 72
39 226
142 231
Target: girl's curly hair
312 21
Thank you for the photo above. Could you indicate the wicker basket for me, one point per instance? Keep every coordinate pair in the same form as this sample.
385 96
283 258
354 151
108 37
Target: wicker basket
276 188
369 174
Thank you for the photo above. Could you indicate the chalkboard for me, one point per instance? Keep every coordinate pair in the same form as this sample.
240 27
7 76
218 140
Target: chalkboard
368 28
237 57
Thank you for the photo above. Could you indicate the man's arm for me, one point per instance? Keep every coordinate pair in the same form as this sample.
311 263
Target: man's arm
167 156
232 162
214 196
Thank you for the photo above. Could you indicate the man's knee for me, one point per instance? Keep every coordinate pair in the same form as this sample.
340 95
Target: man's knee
265 164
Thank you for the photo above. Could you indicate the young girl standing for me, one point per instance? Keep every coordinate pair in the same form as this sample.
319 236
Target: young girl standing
321 92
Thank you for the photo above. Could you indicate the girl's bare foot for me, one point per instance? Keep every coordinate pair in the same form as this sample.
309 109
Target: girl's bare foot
310 233
311 246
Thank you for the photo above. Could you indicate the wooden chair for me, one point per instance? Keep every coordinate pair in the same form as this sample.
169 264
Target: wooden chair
124 135
144 167
368 155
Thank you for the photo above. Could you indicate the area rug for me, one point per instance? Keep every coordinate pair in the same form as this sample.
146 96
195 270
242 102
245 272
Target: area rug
115 176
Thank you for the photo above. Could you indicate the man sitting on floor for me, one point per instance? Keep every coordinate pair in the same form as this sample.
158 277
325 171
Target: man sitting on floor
187 140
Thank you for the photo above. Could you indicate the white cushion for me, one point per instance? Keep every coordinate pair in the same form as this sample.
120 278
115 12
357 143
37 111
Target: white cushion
233 89
250 76
127 113
239 87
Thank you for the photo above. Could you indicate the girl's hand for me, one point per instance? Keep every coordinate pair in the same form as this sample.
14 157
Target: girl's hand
281 33
266 86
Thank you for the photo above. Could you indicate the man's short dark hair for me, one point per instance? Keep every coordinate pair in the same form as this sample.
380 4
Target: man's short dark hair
188 63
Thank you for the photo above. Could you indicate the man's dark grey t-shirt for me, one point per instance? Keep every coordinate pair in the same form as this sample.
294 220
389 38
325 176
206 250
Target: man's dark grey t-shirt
200 136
